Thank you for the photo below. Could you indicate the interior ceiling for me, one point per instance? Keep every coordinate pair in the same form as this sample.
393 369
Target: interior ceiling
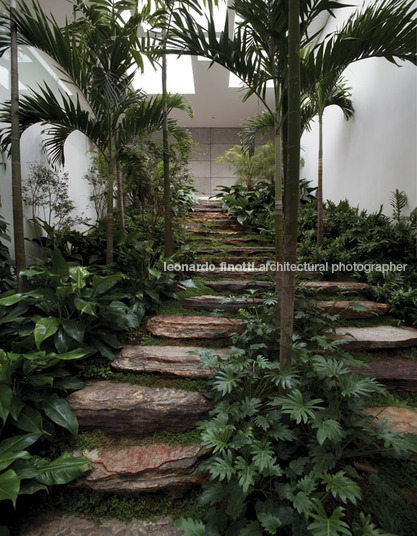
215 104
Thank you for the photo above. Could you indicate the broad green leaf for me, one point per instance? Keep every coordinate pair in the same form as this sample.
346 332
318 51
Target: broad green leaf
75 329
30 420
60 471
16 406
104 350
70 384
78 275
59 411
17 443
89 308
9 486
29 487
7 458
6 396
41 380
59 264
246 473
270 522
44 328
191 527
252 529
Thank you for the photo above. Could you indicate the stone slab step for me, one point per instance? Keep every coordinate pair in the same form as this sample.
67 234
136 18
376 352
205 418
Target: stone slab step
211 303
394 373
248 269
133 409
238 286
402 419
234 260
255 250
174 360
345 309
335 287
212 207
322 287
353 309
218 233
206 216
138 469
220 224
193 327
67 525
376 338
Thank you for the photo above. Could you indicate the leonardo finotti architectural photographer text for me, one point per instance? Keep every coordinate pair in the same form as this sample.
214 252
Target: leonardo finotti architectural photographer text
285 266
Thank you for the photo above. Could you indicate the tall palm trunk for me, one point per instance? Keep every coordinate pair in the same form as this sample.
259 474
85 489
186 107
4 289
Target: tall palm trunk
110 209
279 220
18 222
320 185
120 197
165 145
292 186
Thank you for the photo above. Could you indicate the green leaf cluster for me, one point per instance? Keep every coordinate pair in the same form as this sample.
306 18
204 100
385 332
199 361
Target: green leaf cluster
283 442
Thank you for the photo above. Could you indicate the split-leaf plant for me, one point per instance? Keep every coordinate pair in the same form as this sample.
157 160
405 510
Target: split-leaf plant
284 440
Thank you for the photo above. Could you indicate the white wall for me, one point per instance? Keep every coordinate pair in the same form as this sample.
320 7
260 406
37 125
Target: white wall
374 153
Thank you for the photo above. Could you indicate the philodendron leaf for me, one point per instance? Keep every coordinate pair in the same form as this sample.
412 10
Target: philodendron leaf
59 264
75 329
191 527
62 470
6 395
44 328
59 411
328 526
30 420
9 486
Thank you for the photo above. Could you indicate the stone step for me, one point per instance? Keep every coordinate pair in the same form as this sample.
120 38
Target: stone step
402 419
256 250
353 309
345 309
218 233
68 525
173 360
135 469
219 258
394 373
335 287
212 207
239 286
193 327
206 216
120 408
248 269
211 303
322 287
220 224
375 338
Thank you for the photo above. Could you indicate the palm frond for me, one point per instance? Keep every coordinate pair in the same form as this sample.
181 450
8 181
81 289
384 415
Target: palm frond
257 125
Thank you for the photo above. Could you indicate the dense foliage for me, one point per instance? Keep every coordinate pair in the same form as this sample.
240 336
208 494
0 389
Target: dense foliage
284 441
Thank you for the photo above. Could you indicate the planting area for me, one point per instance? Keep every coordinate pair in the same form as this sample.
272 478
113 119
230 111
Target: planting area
320 443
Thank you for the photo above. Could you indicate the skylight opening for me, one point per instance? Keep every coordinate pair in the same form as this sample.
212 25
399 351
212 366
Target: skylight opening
180 77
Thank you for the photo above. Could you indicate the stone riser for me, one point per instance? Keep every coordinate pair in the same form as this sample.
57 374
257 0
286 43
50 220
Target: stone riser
120 408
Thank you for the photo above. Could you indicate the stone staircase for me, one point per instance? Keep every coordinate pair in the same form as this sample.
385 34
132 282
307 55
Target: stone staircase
133 464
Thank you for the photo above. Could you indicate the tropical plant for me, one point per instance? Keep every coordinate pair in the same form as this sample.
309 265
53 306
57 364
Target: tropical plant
329 90
69 308
98 53
251 168
7 281
284 440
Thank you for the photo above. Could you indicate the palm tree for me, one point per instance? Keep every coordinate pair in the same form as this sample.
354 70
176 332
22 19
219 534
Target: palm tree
97 54
329 90
18 222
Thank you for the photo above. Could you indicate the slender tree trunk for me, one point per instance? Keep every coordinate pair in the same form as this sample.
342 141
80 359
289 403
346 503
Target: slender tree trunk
18 221
320 185
279 219
120 197
110 209
292 186
167 182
